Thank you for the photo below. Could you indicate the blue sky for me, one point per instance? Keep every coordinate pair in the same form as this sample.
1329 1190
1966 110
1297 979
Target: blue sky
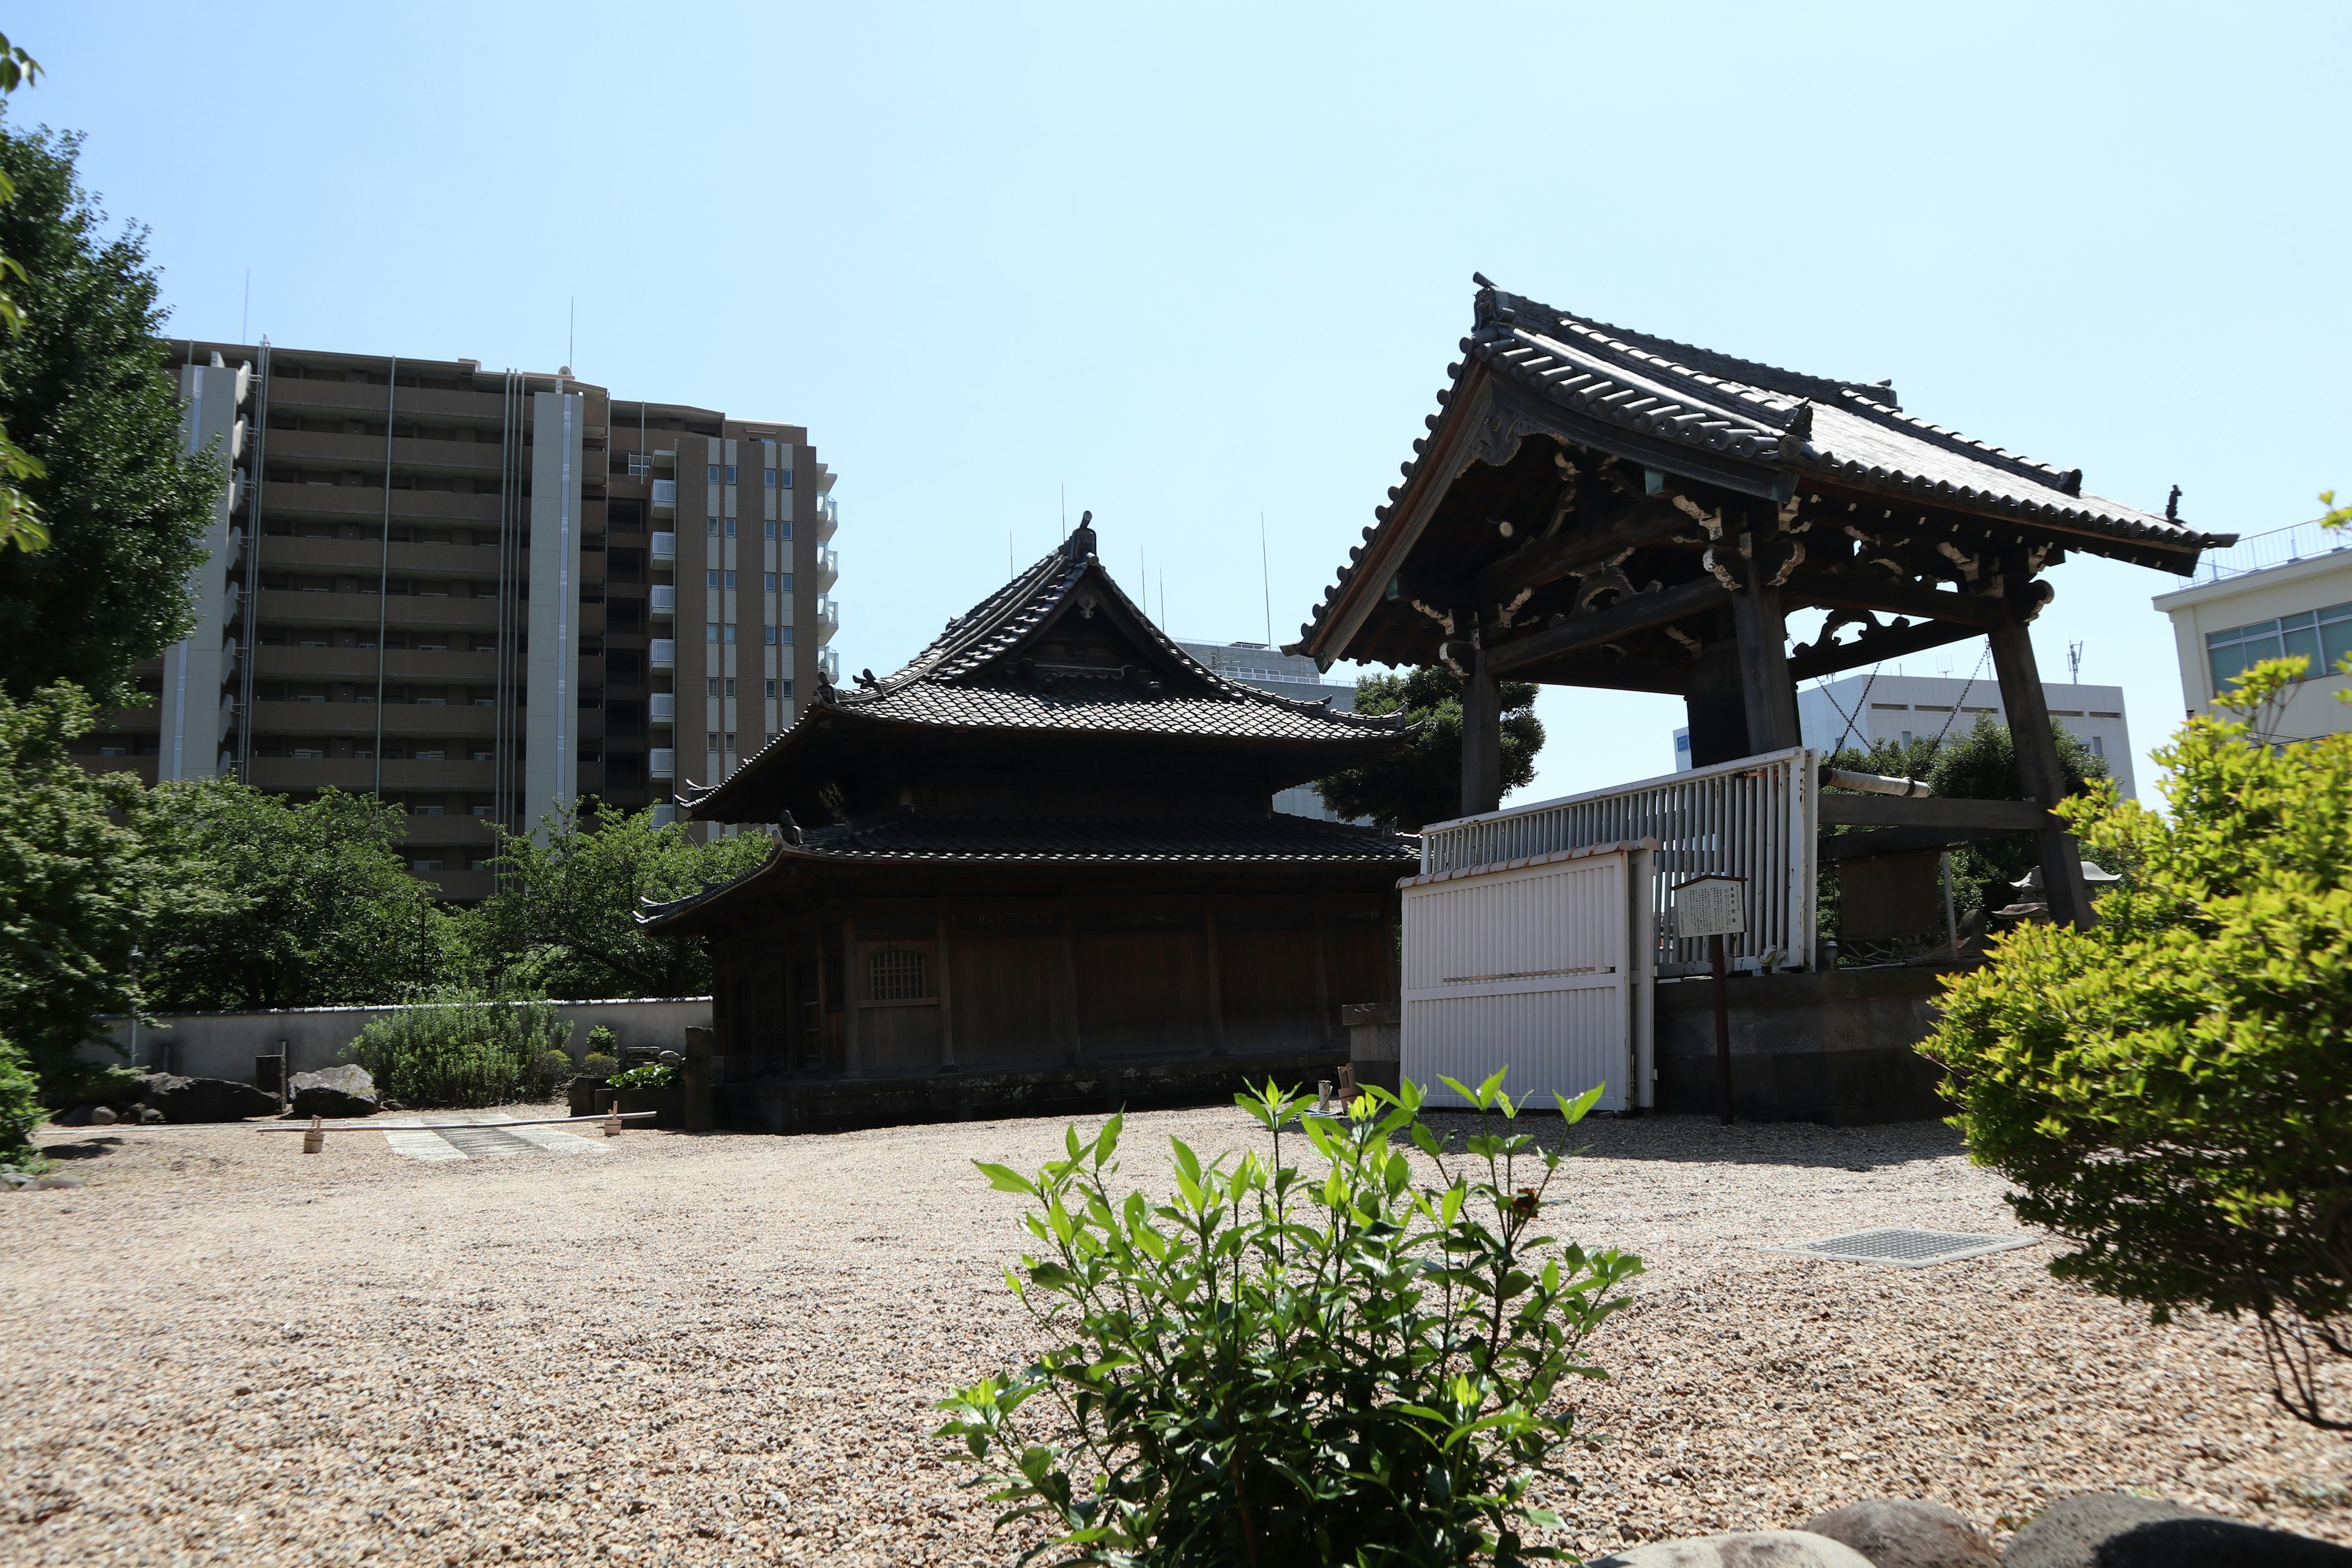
1203 263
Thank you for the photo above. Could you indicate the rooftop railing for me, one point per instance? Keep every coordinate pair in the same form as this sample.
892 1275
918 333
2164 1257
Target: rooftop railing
2279 547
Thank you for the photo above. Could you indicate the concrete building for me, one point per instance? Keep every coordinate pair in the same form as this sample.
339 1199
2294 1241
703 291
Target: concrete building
2273 595
1859 710
482 594
1286 675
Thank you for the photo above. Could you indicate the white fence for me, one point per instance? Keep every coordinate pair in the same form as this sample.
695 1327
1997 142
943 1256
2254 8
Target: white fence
2297 542
1758 819
1542 966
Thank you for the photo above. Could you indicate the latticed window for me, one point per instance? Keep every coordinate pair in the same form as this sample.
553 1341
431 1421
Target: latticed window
896 974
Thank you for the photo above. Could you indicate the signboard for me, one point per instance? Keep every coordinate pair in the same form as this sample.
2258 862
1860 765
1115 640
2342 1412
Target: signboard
1710 906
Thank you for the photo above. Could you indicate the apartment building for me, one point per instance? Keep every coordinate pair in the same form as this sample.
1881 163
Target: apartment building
482 594
1862 709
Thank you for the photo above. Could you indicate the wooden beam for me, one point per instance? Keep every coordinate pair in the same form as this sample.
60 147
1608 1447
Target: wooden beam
1641 612
2038 770
1805 664
1854 591
1931 811
1550 560
1608 674
1895 841
1768 689
1482 739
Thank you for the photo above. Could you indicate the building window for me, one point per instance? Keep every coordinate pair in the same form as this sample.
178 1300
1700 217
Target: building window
710 632
730 686
771 638
425 864
2323 636
729 631
772 691
2098 746
784 530
896 974
730 473
713 684
731 580
771 531
768 582
710 578
787 481
714 741
730 528
771 476
783 582
714 528
786 691
784 636
730 740
713 477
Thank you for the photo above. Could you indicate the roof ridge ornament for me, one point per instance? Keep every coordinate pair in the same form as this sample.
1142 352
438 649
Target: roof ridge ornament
1080 546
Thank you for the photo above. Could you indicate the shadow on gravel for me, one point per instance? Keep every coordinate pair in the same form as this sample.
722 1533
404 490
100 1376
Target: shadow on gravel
88 1149
1702 1140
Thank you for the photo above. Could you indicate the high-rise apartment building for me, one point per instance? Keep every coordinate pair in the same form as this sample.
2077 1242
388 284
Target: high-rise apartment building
482 594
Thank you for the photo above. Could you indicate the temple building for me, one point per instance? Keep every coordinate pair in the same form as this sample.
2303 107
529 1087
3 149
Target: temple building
1038 869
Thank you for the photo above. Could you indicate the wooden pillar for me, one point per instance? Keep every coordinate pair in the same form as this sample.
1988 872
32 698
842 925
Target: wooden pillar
1216 980
2038 771
1768 690
1482 740
1715 707
853 992
1070 985
946 994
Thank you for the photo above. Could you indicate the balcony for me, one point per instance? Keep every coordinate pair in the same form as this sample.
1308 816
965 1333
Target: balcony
661 762
661 707
289 606
358 664
661 654
664 547
828 614
828 567
664 462
664 500
661 599
454 721
828 665
366 556
364 503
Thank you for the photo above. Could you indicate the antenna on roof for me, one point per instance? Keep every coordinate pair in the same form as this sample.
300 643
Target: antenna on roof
1265 578
2074 663
1066 513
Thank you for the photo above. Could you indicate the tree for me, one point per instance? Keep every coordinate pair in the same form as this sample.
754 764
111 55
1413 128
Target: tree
564 920
80 388
20 519
2172 1089
271 903
1979 763
74 885
1423 782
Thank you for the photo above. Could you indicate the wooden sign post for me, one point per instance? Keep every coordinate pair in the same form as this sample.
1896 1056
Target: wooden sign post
1714 907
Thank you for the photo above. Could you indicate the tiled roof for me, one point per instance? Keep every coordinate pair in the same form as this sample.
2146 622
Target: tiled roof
1852 431
907 837
976 677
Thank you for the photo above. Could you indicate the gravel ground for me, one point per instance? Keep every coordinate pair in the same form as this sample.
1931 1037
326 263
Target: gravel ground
723 1349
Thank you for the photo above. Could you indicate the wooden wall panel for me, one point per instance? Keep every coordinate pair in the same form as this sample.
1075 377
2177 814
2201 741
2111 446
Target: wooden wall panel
1143 994
1005 987
1269 990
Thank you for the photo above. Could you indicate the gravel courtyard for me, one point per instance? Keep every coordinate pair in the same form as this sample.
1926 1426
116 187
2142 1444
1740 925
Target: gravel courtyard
722 1349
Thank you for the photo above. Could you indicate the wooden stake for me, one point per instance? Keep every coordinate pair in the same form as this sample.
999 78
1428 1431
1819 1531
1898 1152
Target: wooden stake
314 1137
613 1121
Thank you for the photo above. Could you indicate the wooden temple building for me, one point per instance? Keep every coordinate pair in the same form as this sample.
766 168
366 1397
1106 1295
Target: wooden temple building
1037 868
1598 507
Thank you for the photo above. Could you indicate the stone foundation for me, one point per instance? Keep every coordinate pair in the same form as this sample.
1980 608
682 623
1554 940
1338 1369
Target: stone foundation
1834 1047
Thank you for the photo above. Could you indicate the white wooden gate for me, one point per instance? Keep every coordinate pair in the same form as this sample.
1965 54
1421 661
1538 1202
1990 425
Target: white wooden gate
1543 965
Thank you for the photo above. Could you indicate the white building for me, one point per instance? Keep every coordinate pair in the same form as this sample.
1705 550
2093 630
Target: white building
2277 594
1861 709
1284 675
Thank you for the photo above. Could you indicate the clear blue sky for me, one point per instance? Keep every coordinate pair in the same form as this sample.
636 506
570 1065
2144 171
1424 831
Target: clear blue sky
1200 263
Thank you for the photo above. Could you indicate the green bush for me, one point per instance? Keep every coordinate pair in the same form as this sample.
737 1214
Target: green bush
82 1082
1279 1366
2172 1089
653 1075
596 1064
20 1110
462 1049
550 1073
603 1042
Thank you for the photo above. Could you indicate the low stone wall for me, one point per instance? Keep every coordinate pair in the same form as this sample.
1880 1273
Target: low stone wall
1834 1047
830 1105
224 1045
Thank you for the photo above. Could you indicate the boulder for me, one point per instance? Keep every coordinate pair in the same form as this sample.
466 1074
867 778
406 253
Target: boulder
187 1100
1744 1549
102 1116
345 1090
1905 1532
2115 1530
73 1116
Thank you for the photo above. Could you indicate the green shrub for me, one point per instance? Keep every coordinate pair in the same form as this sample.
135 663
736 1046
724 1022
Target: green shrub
20 1109
2172 1089
596 1064
1281 1366
459 1049
91 1083
653 1075
603 1042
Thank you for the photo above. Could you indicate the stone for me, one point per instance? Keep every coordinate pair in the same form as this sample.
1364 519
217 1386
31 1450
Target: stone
2116 1529
55 1184
1905 1533
148 1115
101 1116
345 1090
1743 1548
73 1116
17 1179
188 1100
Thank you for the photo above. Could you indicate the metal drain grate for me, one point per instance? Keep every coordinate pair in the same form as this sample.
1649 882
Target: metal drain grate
1905 1248
487 1142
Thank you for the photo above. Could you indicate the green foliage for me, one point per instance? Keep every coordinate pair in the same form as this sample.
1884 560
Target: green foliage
596 1064
563 920
1280 1366
84 1082
653 1075
125 505
20 1100
458 1048
1975 763
274 902
2172 1089
1423 782
74 885
550 1073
